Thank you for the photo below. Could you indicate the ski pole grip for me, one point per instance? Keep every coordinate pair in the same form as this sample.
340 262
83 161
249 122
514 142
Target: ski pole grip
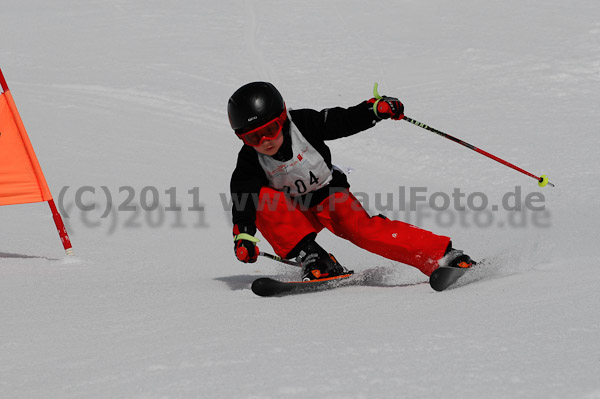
375 92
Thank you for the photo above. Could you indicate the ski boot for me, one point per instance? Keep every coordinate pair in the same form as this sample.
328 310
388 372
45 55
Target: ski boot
456 258
317 263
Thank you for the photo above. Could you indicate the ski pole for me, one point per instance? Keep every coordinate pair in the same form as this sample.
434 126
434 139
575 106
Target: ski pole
542 180
279 259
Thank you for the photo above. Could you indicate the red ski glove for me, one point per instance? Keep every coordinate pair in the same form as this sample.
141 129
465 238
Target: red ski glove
387 107
245 246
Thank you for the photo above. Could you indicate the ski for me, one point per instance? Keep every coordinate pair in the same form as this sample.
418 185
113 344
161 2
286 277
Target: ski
444 277
266 286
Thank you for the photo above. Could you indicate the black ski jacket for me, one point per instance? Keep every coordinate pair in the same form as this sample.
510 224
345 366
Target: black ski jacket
329 124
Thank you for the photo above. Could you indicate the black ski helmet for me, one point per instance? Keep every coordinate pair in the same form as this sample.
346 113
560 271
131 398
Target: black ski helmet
253 105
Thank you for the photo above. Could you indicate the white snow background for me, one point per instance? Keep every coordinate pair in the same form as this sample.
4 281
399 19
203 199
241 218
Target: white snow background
133 94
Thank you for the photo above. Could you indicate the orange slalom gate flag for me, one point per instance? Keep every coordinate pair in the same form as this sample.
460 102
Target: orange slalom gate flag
21 177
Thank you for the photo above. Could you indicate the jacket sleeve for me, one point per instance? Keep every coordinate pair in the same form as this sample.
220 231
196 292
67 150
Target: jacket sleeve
246 181
335 123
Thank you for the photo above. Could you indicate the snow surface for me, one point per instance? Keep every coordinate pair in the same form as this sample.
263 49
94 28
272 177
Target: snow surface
133 94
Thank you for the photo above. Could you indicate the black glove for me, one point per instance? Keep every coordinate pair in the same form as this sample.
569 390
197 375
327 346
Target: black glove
245 244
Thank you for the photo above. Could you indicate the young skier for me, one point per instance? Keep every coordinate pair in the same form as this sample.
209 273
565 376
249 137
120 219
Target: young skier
286 186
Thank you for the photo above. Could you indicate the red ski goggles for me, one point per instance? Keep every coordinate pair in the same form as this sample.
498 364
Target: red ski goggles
269 131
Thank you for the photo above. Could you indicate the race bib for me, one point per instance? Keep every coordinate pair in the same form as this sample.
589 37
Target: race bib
305 172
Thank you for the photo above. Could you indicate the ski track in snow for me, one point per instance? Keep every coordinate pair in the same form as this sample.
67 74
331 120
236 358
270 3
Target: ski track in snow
154 305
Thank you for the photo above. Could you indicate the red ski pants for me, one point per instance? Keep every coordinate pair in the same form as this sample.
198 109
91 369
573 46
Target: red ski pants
284 224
